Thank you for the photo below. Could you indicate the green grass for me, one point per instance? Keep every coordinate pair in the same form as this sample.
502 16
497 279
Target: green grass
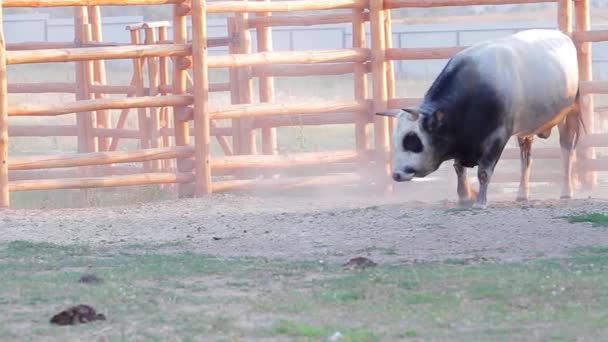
170 291
597 219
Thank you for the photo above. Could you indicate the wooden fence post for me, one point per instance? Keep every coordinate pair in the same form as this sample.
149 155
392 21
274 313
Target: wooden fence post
99 66
4 192
202 122
380 93
180 86
266 85
390 73
245 85
153 82
360 78
583 23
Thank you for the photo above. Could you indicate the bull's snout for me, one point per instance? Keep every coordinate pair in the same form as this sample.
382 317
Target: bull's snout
403 176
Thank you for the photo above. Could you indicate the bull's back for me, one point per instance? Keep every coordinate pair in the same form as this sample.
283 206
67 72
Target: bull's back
535 72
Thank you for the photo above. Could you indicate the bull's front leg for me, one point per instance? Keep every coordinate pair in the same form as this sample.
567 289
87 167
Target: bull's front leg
488 162
466 196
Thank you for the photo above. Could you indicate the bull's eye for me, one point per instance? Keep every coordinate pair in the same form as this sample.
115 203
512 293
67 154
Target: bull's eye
411 143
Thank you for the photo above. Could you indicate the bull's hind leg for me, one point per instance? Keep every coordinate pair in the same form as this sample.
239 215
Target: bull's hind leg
568 135
466 196
525 149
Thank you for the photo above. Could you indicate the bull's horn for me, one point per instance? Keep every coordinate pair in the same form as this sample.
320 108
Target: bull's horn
393 113
412 114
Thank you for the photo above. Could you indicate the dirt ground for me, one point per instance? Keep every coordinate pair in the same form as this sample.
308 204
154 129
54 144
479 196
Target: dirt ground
329 225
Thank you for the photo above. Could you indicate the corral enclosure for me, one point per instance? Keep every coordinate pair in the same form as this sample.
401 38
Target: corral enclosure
178 101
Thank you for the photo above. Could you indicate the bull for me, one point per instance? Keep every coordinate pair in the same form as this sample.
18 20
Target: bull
521 85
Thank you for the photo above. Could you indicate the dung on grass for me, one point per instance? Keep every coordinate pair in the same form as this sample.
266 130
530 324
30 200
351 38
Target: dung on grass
597 219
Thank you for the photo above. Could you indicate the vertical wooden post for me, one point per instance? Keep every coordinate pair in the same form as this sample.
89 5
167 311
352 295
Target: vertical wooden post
583 23
202 120
99 69
163 35
233 48
245 84
142 116
564 15
153 81
390 72
182 130
4 193
360 78
266 84
380 93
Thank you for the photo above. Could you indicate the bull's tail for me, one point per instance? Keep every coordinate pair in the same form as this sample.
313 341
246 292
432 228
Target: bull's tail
579 114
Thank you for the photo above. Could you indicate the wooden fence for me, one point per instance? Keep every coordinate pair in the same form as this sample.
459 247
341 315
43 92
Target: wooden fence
177 122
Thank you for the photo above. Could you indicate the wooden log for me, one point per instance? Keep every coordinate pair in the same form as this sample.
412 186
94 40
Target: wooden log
117 133
260 110
16 175
391 4
539 153
422 53
235 98
43 131
380 95
97 158
202 121
39 45
99 104
154 83
266 86
360 80
4 183
285 161
564 16
288 183
99 76
148 25
84 79
594 140
248 139
302 70
583 23
211 42
403 103
588 36
595 165
38 88
514 177
72 3
390 74
163 34
593 87
303 20
96 53
182 136
100 182
307 120
290 57
281 6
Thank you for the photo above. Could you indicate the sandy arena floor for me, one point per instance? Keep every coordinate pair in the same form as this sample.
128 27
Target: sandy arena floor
328 227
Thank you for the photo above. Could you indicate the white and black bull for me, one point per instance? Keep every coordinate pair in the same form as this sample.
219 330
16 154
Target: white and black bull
522 85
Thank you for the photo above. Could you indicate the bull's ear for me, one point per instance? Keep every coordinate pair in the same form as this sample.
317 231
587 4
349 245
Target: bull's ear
435 121
393 113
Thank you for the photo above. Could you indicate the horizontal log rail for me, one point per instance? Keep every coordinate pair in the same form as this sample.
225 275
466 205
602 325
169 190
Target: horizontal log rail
422 53
73 172
283 6
290 57
287 161
590 36
67 87
100 182
286 183
71 3
303 70
392 4
306 120
271 109
102 104
97 158
97 53
593 87
42 131
302 20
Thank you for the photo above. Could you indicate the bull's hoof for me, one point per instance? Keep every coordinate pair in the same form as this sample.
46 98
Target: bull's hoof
479 206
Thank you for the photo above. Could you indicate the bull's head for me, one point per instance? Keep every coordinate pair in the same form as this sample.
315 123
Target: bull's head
415 155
